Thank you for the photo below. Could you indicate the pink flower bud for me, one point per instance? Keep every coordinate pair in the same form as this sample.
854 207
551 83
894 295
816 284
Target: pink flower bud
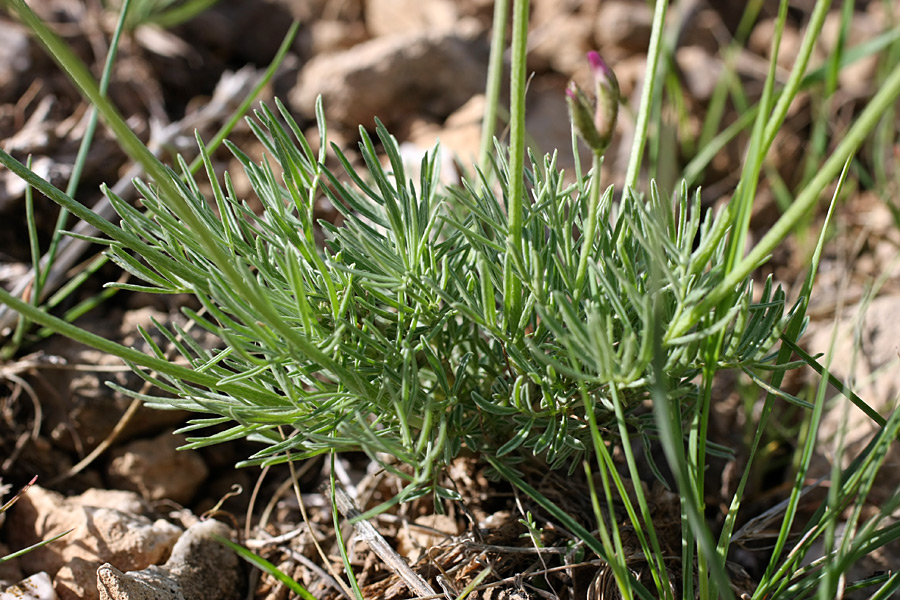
595 121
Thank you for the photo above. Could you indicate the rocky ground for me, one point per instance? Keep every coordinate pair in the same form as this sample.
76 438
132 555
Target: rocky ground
108 469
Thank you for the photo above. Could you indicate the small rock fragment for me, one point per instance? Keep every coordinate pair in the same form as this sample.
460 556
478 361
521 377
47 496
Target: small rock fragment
623 28
390 17
200 567
77 579
865 351
459 137
36 587
854 78
99 534
395 78
149 584
760 42
701 71
560 44
335 36
427 531
157 470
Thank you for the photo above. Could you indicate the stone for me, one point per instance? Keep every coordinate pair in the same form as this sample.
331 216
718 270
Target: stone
200 567
623 28
760 42
104 528
120 500
335 36
854 79
700 69
36 587
157 470
76 579
459 137
870 359
427 531
394 78
561 45
87 409
391 17
113 584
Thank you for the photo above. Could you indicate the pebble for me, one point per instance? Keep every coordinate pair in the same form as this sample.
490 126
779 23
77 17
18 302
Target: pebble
157 469
107 526
394 78
36 587
200 567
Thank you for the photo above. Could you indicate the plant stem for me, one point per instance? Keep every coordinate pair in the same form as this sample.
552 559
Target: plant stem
227 128
590 227
131 355
804 202
237 274
83 149
512 286
816 21
494 81
741 203
643 115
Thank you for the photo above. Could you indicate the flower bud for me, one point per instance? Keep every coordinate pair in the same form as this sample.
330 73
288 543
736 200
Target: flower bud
595 121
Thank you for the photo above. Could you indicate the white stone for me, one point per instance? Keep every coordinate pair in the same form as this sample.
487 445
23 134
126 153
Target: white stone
36 587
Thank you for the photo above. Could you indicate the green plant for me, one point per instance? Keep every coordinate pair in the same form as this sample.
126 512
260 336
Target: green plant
49 284
266 567
393 340
42 266
515 316
162 13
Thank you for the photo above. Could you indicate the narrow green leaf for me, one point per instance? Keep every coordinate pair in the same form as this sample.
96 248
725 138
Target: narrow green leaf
266 567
